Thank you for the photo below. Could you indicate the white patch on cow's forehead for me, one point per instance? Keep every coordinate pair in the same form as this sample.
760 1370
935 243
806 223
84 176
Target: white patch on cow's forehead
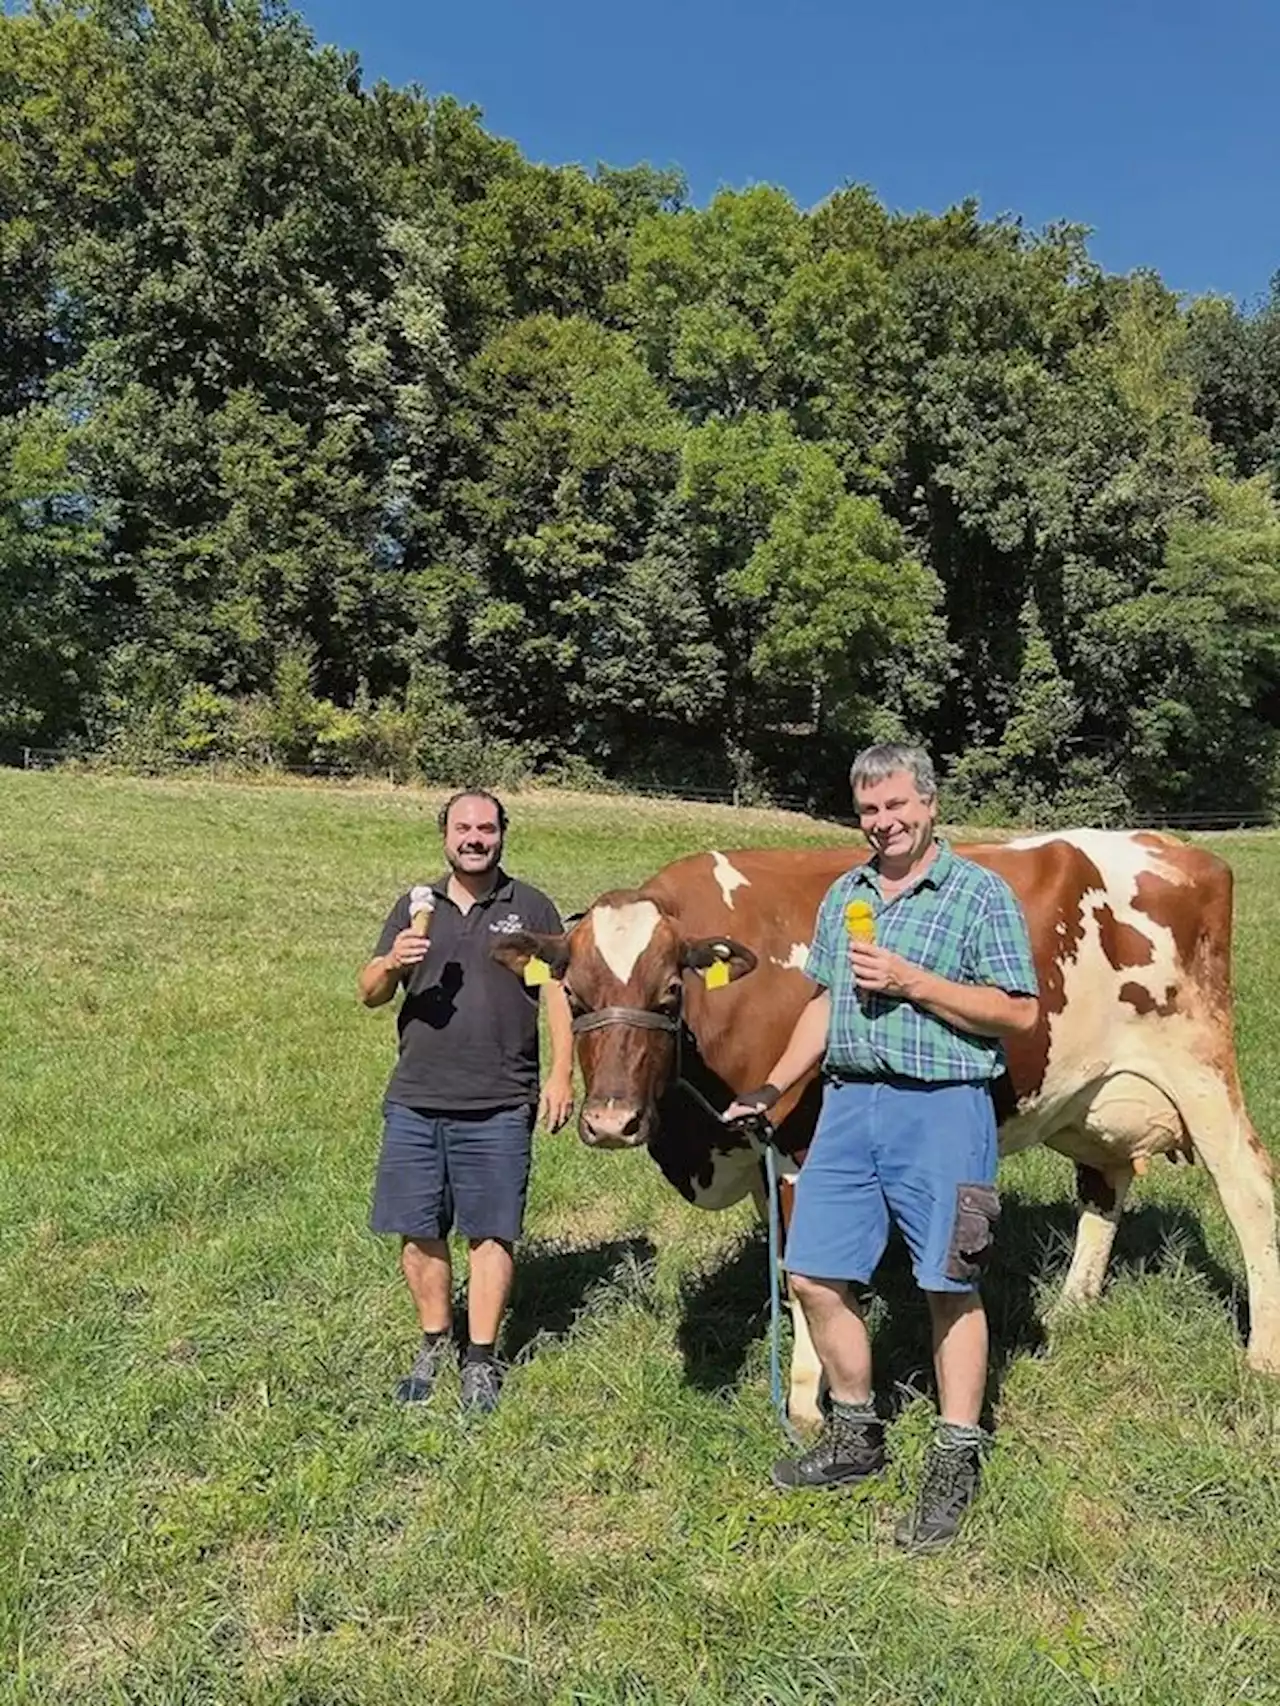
729 877
796 960
622 933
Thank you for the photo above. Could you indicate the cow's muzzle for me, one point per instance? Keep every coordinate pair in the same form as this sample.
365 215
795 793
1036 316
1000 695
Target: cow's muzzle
620 1122
614 1122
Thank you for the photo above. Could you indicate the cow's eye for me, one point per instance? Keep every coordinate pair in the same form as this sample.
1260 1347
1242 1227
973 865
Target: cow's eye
675 989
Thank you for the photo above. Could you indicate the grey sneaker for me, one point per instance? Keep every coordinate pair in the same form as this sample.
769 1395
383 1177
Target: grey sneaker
844 1452
433 1354
951 1477
481 1386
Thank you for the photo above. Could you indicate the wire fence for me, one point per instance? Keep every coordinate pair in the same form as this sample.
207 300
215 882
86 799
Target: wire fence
1226 816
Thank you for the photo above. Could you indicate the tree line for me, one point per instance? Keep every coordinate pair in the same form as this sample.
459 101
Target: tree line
333 429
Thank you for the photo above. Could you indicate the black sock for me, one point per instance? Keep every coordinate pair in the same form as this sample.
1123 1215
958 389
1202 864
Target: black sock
435 1338
480 1353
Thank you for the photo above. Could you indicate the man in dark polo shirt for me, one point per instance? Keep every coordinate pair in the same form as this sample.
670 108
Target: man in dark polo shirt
460 1106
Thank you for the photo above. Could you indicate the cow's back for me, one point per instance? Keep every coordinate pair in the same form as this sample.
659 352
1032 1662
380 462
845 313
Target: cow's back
1130 931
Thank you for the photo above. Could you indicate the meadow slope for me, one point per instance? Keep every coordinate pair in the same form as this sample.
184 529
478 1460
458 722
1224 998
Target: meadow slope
206 1496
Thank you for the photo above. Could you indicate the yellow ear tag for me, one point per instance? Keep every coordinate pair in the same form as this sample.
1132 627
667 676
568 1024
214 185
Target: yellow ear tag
536 971
716 975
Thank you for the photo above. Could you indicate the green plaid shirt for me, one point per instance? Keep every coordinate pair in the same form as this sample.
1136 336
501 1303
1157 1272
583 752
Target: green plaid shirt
958 920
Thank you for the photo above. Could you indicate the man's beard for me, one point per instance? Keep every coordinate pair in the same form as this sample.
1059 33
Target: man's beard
491 856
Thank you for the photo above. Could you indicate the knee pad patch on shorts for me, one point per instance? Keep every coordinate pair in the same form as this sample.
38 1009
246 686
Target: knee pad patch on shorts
973 1231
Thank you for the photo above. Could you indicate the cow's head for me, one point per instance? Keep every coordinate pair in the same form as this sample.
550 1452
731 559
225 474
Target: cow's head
624 968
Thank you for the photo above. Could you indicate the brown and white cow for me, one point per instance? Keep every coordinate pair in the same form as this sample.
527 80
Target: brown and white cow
1133 1057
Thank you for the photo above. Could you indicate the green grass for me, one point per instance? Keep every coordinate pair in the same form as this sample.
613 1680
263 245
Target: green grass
205 1495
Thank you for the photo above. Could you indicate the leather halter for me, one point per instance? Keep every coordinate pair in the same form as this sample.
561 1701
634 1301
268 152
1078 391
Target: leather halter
641 1017
645 1020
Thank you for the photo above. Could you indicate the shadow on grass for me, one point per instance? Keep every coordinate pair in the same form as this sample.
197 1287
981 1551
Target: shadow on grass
555 1282
724 1310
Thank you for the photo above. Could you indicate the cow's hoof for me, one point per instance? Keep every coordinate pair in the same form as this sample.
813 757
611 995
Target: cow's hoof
1069 1303
804 1410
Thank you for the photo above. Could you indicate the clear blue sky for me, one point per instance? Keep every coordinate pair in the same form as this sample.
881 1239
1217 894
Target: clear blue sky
1154 122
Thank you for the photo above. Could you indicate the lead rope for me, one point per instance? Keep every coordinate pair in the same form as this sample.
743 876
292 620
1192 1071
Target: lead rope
775 1299
759 1133
776 1391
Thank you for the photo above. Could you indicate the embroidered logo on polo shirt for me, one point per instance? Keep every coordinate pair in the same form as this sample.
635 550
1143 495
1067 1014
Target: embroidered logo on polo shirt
509 925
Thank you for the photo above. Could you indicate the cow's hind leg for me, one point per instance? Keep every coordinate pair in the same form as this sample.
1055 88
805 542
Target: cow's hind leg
1101 1193
1226 1142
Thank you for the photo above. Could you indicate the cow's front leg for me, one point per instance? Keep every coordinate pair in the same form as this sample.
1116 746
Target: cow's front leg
1102 1193
804 1400
804 1395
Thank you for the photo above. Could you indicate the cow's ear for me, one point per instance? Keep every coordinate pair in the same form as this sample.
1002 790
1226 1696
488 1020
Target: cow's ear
708 951
515 951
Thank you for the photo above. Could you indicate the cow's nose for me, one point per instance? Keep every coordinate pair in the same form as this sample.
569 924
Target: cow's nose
609 1122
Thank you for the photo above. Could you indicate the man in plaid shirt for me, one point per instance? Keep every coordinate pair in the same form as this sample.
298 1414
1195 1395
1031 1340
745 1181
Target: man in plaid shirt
908 1026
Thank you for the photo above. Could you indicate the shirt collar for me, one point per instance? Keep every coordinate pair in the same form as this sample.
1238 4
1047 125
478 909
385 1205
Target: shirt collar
868 874
504 888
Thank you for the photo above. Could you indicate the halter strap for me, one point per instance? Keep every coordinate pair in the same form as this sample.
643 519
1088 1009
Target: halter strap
645 1020
638 1016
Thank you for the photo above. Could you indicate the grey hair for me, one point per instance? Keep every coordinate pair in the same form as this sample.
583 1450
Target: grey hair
874 763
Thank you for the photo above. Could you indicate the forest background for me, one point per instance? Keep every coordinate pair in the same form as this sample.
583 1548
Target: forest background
333 431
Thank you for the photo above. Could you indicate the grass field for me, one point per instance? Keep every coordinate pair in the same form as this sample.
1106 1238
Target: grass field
206 1496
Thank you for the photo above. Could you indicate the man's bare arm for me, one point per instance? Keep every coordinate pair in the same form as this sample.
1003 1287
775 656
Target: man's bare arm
978 1008
807 1045
986 1012
384 974
555 1104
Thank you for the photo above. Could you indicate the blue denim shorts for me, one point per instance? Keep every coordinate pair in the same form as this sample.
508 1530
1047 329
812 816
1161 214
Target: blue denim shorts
466 1171
898 1152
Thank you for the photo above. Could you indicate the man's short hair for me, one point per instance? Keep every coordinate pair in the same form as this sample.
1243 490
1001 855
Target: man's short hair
874 763
442 818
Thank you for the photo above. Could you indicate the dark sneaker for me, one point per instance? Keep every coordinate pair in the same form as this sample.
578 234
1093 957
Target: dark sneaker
844 1452
433 1355
481 1386
951 1476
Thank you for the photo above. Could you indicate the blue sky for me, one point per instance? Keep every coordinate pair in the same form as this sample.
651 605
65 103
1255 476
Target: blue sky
1154 122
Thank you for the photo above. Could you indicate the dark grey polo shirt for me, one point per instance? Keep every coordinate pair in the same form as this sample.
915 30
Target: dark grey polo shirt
468 1026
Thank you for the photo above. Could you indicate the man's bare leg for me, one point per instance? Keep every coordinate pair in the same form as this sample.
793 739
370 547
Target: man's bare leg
492 1266
489 1289
959 1355
851 1444
425 1262
839 1336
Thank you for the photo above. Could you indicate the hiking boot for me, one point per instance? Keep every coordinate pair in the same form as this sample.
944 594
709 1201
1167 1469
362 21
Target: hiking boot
433 1354
481 1386
844 1452
952 1472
